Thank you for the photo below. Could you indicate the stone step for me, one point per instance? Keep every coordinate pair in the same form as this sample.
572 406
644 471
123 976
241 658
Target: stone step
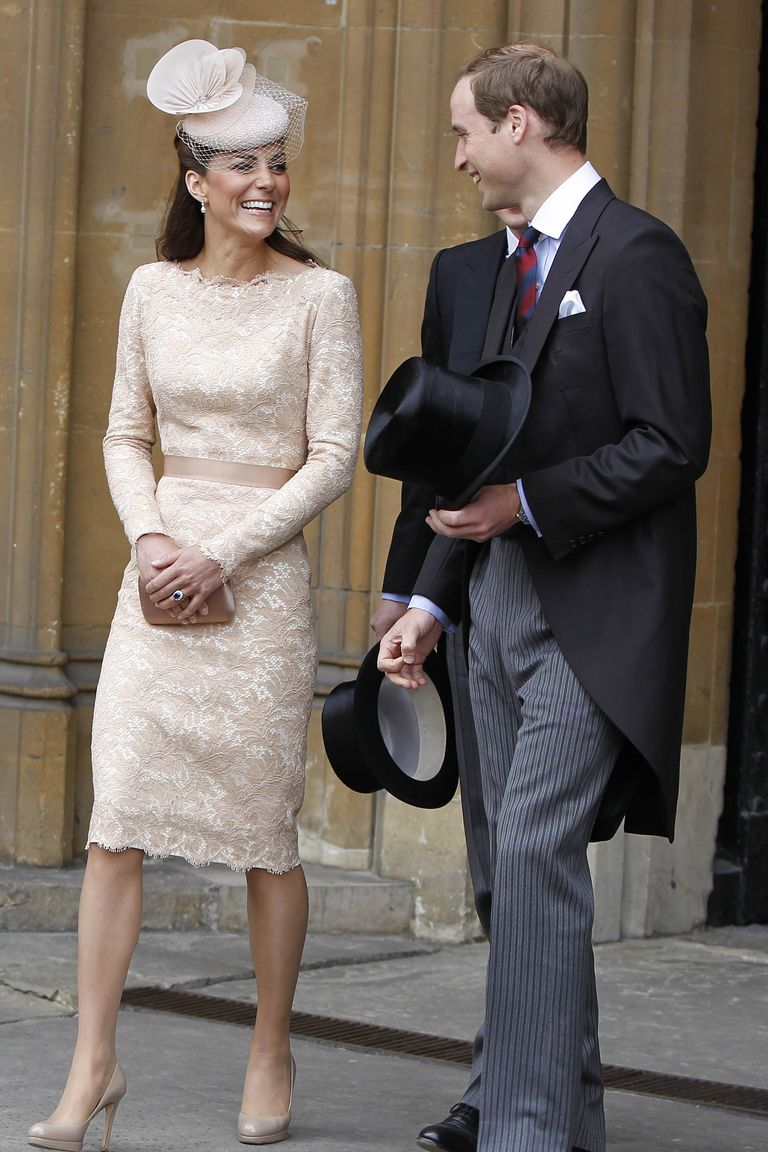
177 896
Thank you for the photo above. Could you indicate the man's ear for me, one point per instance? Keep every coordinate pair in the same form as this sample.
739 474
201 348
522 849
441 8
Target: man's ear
195 186
516 124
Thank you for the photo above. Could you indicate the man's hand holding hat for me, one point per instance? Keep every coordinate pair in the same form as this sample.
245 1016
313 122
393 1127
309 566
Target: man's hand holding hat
405 647
492 511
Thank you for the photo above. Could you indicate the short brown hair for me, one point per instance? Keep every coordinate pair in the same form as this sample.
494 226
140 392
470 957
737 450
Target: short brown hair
537 78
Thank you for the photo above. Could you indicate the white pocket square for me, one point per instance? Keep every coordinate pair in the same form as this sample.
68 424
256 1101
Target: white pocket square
570 305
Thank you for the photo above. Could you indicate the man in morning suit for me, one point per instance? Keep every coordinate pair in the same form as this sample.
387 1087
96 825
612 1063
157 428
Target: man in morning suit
573 576
411 538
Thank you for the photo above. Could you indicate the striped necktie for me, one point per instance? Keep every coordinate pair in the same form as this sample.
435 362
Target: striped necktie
526 267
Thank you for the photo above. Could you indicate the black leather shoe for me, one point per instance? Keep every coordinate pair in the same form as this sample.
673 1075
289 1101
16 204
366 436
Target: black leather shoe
457 1133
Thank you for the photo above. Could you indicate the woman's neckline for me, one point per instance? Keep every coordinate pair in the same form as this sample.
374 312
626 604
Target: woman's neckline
231 281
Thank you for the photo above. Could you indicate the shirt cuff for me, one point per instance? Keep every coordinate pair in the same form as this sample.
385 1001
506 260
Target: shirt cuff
427 606
395 596
526 508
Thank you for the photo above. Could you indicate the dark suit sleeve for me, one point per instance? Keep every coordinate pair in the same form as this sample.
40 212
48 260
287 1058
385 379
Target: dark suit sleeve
412 536
653 323
441 577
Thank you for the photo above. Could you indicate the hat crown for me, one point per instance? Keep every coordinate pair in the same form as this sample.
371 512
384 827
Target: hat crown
446 431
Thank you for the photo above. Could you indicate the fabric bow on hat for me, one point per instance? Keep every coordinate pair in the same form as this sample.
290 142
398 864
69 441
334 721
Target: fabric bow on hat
196 77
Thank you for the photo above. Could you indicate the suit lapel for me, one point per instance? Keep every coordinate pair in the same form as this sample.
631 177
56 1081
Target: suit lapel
579 240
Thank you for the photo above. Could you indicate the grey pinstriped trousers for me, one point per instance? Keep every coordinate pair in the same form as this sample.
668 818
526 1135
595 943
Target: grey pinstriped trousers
546 752
475 822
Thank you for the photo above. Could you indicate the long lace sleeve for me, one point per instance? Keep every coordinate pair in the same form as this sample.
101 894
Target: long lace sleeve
131 432
334 412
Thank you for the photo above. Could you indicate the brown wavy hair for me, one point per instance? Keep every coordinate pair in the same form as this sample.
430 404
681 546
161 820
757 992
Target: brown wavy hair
182 231
537 78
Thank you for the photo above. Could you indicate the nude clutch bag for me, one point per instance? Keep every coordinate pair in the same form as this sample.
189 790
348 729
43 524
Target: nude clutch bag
221 607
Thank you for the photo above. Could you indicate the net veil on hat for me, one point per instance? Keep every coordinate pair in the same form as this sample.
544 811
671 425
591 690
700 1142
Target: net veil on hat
225 104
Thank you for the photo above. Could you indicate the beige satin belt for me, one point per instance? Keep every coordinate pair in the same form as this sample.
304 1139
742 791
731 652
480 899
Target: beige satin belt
226 472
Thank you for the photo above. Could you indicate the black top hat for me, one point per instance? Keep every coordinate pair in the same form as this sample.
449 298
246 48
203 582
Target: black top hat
444 431
378 735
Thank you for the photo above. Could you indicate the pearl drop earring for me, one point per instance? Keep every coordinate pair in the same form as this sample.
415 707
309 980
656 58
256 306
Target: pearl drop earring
202 205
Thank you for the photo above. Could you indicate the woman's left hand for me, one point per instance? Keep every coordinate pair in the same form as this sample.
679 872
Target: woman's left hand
188 570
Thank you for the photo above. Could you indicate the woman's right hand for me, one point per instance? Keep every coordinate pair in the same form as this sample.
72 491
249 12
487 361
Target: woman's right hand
153 546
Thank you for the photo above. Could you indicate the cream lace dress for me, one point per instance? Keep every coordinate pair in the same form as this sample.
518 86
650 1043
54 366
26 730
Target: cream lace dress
199 732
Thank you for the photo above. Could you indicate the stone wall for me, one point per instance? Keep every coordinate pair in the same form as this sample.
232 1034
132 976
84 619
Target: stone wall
88 164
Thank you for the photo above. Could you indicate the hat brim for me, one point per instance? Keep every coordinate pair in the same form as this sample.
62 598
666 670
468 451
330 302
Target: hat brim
377 735
337 722
407 737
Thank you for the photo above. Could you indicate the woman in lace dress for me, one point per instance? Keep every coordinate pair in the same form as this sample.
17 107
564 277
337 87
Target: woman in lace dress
246 353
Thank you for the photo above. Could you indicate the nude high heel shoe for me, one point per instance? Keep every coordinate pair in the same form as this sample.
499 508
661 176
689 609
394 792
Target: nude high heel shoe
69 1137
266 1129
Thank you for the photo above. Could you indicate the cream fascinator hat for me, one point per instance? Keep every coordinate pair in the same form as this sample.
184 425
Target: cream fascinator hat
225 105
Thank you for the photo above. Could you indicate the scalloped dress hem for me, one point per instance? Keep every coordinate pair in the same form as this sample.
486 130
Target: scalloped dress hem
196 862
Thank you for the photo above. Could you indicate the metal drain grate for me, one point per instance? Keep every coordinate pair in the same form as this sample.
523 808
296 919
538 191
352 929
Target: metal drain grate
328 1028
686 1088
377 1037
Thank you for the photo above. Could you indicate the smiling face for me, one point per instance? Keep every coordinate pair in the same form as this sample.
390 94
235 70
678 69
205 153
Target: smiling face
245 192
485 150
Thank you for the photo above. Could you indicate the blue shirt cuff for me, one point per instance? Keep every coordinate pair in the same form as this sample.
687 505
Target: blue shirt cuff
526 507
395 596
427 606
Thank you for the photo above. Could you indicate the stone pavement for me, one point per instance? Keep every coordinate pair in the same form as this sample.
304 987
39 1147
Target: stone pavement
694 1006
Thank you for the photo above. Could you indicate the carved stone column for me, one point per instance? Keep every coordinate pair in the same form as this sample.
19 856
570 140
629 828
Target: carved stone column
401 201
42 58
385 97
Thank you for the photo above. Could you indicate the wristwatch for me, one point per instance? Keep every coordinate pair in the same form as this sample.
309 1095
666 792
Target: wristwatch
522 517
